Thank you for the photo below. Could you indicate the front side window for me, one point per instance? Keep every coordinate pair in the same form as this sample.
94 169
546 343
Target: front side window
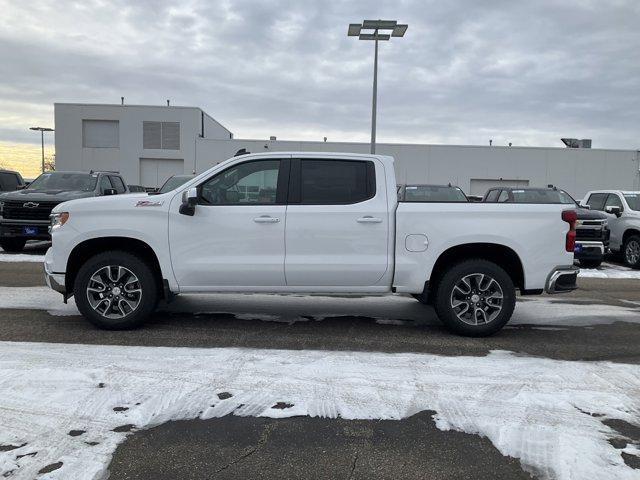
613 200
492 196
118 184
633 200
596 201
504 196
250 183
336 181
105 184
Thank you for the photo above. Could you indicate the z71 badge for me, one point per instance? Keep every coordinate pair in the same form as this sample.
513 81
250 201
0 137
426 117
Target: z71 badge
149 203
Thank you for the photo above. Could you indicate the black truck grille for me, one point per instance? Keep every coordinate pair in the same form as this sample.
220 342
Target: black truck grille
28 210
592 230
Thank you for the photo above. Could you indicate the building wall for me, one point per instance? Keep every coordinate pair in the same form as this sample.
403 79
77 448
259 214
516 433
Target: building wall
470 167
126 158
575 170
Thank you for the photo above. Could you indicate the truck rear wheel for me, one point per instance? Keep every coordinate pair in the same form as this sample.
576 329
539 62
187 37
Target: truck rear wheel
116 290
13 245
475 298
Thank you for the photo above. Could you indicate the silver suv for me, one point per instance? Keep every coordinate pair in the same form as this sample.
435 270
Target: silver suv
623 209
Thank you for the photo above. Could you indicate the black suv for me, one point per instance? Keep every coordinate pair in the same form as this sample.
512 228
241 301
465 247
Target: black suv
10 181
592 231
24 214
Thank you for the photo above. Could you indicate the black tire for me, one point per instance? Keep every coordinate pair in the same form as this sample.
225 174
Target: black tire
630 251
13 245
422 298
470 269
146 283
590 263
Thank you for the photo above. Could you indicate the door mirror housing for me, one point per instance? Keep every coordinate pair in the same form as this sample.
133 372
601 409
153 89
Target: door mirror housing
587 207
617 211
189 202
110 191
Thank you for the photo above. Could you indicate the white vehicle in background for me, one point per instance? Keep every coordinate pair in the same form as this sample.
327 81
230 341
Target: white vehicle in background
321 223
623 209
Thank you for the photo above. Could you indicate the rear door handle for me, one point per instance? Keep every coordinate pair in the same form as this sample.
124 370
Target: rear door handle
369 219
266 219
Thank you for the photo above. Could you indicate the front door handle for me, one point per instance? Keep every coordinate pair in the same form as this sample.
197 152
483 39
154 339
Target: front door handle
266 219
369 219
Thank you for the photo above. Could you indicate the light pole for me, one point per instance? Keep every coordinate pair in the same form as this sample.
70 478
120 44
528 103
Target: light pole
42 130
373 27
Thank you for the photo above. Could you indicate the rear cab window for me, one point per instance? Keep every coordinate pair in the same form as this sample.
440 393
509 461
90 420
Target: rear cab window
433 193
332 182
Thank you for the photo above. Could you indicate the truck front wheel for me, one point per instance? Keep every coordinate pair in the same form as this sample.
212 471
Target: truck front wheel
116 290
475 298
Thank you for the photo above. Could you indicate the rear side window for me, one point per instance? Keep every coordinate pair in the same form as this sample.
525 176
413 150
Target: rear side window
504 196
596 201
118 184
9 182
336 181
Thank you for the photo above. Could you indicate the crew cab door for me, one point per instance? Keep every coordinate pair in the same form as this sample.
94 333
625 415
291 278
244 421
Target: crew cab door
236 236
337 223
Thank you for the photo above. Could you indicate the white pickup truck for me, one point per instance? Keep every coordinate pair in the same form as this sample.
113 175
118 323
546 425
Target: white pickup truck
320 223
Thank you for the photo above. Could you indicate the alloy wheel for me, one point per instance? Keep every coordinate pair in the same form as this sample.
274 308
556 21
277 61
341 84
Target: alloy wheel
632 252
476 299
114 292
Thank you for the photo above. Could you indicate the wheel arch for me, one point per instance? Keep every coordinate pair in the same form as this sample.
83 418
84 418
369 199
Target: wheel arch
628 233
88 248
501 255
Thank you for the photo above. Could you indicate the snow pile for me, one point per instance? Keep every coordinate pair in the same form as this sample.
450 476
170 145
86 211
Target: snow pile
20 257
535 409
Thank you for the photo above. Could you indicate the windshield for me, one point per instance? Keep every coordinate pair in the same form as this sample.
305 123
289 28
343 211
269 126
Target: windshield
433 193
633 199
542 196
77 182
174 182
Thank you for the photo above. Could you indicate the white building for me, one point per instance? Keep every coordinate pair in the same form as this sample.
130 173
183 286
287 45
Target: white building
147 144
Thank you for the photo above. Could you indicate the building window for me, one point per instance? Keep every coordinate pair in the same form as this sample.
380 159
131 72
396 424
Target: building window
161 135
100 134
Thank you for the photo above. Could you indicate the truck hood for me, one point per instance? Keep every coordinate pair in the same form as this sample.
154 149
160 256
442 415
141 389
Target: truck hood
44 195
586 214
114 203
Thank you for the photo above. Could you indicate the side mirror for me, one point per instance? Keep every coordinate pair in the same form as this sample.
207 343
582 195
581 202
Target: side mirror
110 191
617 211
189 202
21 187
586 207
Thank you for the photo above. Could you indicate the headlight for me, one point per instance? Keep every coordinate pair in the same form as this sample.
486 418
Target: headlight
605 224
58 220
1 209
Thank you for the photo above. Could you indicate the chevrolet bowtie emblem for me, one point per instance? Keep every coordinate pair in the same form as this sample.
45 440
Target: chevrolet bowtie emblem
30 205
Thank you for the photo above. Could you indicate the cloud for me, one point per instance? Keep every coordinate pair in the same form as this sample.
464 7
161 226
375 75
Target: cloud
466 71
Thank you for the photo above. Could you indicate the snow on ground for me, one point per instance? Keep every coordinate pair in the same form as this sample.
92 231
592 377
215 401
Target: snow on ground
535 409
549 311
20 257
610 270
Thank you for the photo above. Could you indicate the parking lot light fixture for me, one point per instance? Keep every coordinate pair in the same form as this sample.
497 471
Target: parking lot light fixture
42 130
376 30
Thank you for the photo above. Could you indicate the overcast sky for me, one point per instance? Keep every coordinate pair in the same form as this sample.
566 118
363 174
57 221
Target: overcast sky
527 72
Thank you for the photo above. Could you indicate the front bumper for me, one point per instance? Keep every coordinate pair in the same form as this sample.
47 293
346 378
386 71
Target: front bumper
10 228
54 280
562 279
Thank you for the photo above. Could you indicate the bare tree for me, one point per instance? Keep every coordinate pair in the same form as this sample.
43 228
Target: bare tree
50 163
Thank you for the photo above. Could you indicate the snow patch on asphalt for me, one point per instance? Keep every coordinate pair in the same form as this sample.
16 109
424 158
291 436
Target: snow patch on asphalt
549 311
20 257
610 270
547 413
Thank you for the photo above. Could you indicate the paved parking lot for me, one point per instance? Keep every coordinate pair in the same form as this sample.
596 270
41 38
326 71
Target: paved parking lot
371 422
